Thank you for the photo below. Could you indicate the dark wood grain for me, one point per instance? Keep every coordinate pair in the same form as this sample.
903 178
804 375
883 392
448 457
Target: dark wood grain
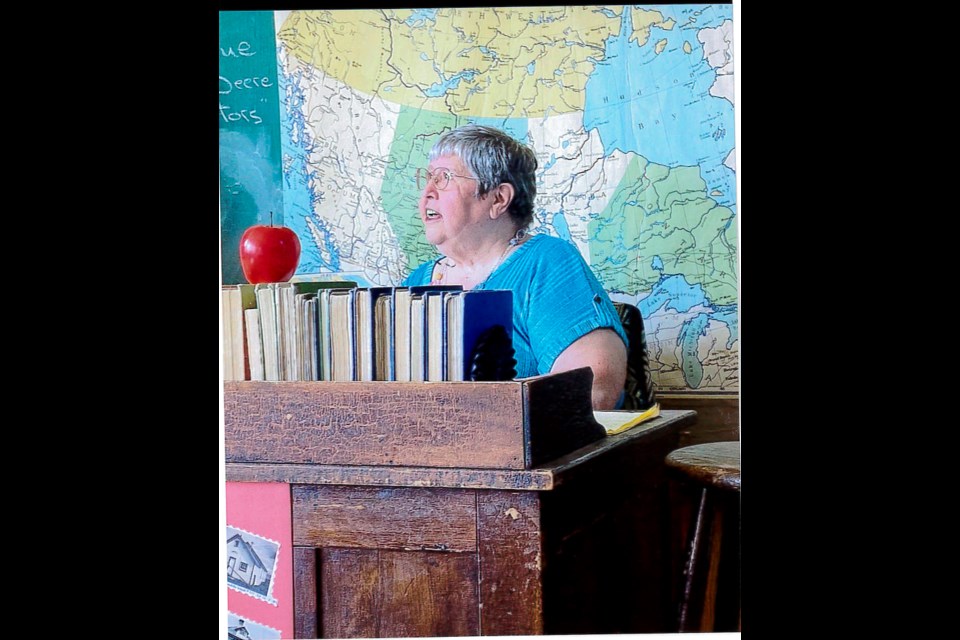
350 593
606 540
706 489
375 423
385 518
511 563
561 416
634 448
543 478
429 594
574 545
718 416
709 615
727 576
462 478
394 594
305 593
482 425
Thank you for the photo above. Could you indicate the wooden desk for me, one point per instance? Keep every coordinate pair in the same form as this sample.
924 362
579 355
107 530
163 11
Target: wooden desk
575 545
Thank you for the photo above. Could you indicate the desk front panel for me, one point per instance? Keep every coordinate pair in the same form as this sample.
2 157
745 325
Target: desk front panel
402 562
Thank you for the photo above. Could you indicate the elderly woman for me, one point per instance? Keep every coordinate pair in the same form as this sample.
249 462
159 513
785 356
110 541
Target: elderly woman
477 202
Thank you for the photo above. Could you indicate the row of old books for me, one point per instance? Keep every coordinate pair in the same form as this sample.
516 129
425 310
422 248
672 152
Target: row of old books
338 331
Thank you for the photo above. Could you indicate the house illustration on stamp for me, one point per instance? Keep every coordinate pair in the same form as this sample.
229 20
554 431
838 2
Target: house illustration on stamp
245 568
238 632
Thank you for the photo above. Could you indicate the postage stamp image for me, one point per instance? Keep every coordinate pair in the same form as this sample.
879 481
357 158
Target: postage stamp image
251 563
243 628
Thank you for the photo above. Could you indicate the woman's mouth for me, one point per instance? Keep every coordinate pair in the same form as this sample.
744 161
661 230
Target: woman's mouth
431 214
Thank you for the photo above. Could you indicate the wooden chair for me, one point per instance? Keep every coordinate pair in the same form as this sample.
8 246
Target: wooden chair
710 600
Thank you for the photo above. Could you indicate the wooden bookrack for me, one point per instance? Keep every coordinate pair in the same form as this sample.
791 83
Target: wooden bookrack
486 425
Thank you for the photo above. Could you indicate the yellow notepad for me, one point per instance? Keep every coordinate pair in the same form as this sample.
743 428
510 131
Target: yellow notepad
619 421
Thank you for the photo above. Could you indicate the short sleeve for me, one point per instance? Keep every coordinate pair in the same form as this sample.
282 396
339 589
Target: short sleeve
565 301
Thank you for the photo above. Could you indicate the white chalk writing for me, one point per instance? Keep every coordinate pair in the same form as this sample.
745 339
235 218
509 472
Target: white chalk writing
260 82
243 51
232 115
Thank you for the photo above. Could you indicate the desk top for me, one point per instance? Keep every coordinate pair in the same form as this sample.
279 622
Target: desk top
544 477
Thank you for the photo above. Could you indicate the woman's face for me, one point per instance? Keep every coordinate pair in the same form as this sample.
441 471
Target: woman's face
453 217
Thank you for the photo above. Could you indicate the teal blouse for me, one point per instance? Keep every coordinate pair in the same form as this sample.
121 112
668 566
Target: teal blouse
556 300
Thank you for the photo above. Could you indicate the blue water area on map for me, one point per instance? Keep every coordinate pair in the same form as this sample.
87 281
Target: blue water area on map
727 314
689 358
656 263
721 184
446 84
664 112
421 16
675 293
561 227
300 201
531 68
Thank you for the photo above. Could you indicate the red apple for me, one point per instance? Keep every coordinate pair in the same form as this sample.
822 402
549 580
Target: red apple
269 253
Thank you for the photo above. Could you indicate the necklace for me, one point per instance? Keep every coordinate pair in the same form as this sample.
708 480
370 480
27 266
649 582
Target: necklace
445 263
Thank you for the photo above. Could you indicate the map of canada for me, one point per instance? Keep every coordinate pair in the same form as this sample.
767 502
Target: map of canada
630 111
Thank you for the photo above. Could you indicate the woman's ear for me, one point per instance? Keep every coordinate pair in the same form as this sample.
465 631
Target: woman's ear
502 196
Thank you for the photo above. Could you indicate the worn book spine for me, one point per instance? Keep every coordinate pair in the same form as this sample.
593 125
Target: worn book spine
401 333
247 299
324 357
226 345
269 330
343 339
435 335
384 343
417 338
254 343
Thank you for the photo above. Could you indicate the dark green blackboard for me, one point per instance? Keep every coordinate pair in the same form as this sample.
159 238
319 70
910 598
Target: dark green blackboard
249 115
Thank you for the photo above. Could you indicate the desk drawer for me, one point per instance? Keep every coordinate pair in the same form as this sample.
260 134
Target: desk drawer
399 518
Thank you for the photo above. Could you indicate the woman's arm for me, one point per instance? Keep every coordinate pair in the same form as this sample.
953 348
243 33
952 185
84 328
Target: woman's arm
603 351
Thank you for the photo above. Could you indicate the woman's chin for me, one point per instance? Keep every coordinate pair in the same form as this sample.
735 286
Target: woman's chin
433 234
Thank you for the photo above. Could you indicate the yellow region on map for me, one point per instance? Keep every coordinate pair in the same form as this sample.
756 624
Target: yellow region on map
642 20
509 62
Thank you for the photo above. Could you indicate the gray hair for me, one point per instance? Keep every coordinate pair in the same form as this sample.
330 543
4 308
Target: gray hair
494 158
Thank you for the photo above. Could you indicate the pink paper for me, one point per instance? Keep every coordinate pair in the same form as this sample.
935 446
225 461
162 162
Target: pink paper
259 559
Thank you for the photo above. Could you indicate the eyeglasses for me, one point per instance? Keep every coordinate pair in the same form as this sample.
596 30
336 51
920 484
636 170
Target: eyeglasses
440 178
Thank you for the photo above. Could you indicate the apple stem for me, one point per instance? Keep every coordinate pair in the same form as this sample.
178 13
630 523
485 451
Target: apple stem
271 218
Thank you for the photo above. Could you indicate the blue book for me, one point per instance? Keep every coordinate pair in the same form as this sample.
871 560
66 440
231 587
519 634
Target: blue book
470 316
423 288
